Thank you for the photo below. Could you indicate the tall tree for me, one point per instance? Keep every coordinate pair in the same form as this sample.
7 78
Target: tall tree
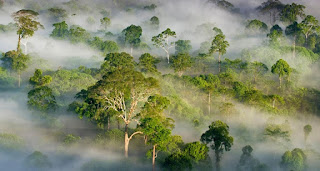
220 45
281 68
27 24
60 31
257 69
291 12
181 63
294 160
105 22
273 7
132 36
309 26
42 99
154 21
256 26
219 139
38 80
15 61
148 63
162 41
307 130
293 30
183 46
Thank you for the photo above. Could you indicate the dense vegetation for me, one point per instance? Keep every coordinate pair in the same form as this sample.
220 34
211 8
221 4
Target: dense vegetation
150 98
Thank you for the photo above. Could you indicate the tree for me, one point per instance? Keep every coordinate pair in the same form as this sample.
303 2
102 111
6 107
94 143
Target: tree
309 26
220 45
183 46
196 151
273 7
60 31
181 62
275 98
275 36
105 22
258 69
158 132
290 13
281 68
38 161
58 14
117 61
248 163
256 26
294 160
42 99
132 36
178 162
121 91
148 63
293 30
162 41
307 130
27 24
78 34
154 21
219 139
38 80
15 61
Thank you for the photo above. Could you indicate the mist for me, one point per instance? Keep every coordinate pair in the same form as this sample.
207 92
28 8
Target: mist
70 141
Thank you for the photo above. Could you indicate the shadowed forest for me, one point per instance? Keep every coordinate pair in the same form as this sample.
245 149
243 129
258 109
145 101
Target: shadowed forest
160 85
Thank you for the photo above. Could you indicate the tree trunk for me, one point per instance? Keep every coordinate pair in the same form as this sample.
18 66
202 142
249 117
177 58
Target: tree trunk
294 46
19 43
217 161
273 103
219 62
19 79
209 103
108 122
126 142
280 81
145 140
154 158
131 51
168 57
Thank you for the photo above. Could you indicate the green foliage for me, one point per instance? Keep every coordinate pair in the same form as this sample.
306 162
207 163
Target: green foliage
70 139
307 130
290 13
150 7
105 22
256 26
177 161
181 63
183 46
294 160
42 99
196 151
37 160
248 162
218 138
58 14
219 44
132 35
154 21
65 82
309 26
6 81
78 34
60 31
148 63
281 68
276 132
117 61
38 80
10 142
162 41
15 61
8 28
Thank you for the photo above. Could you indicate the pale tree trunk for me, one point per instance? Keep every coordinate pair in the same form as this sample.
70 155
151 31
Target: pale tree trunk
25 47
131 51
168 57
209 103
219 62
19 43
154 156
273 103
280 81
294 46
126 142
145 140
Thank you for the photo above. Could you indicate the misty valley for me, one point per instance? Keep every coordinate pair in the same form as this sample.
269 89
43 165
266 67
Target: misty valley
173 85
